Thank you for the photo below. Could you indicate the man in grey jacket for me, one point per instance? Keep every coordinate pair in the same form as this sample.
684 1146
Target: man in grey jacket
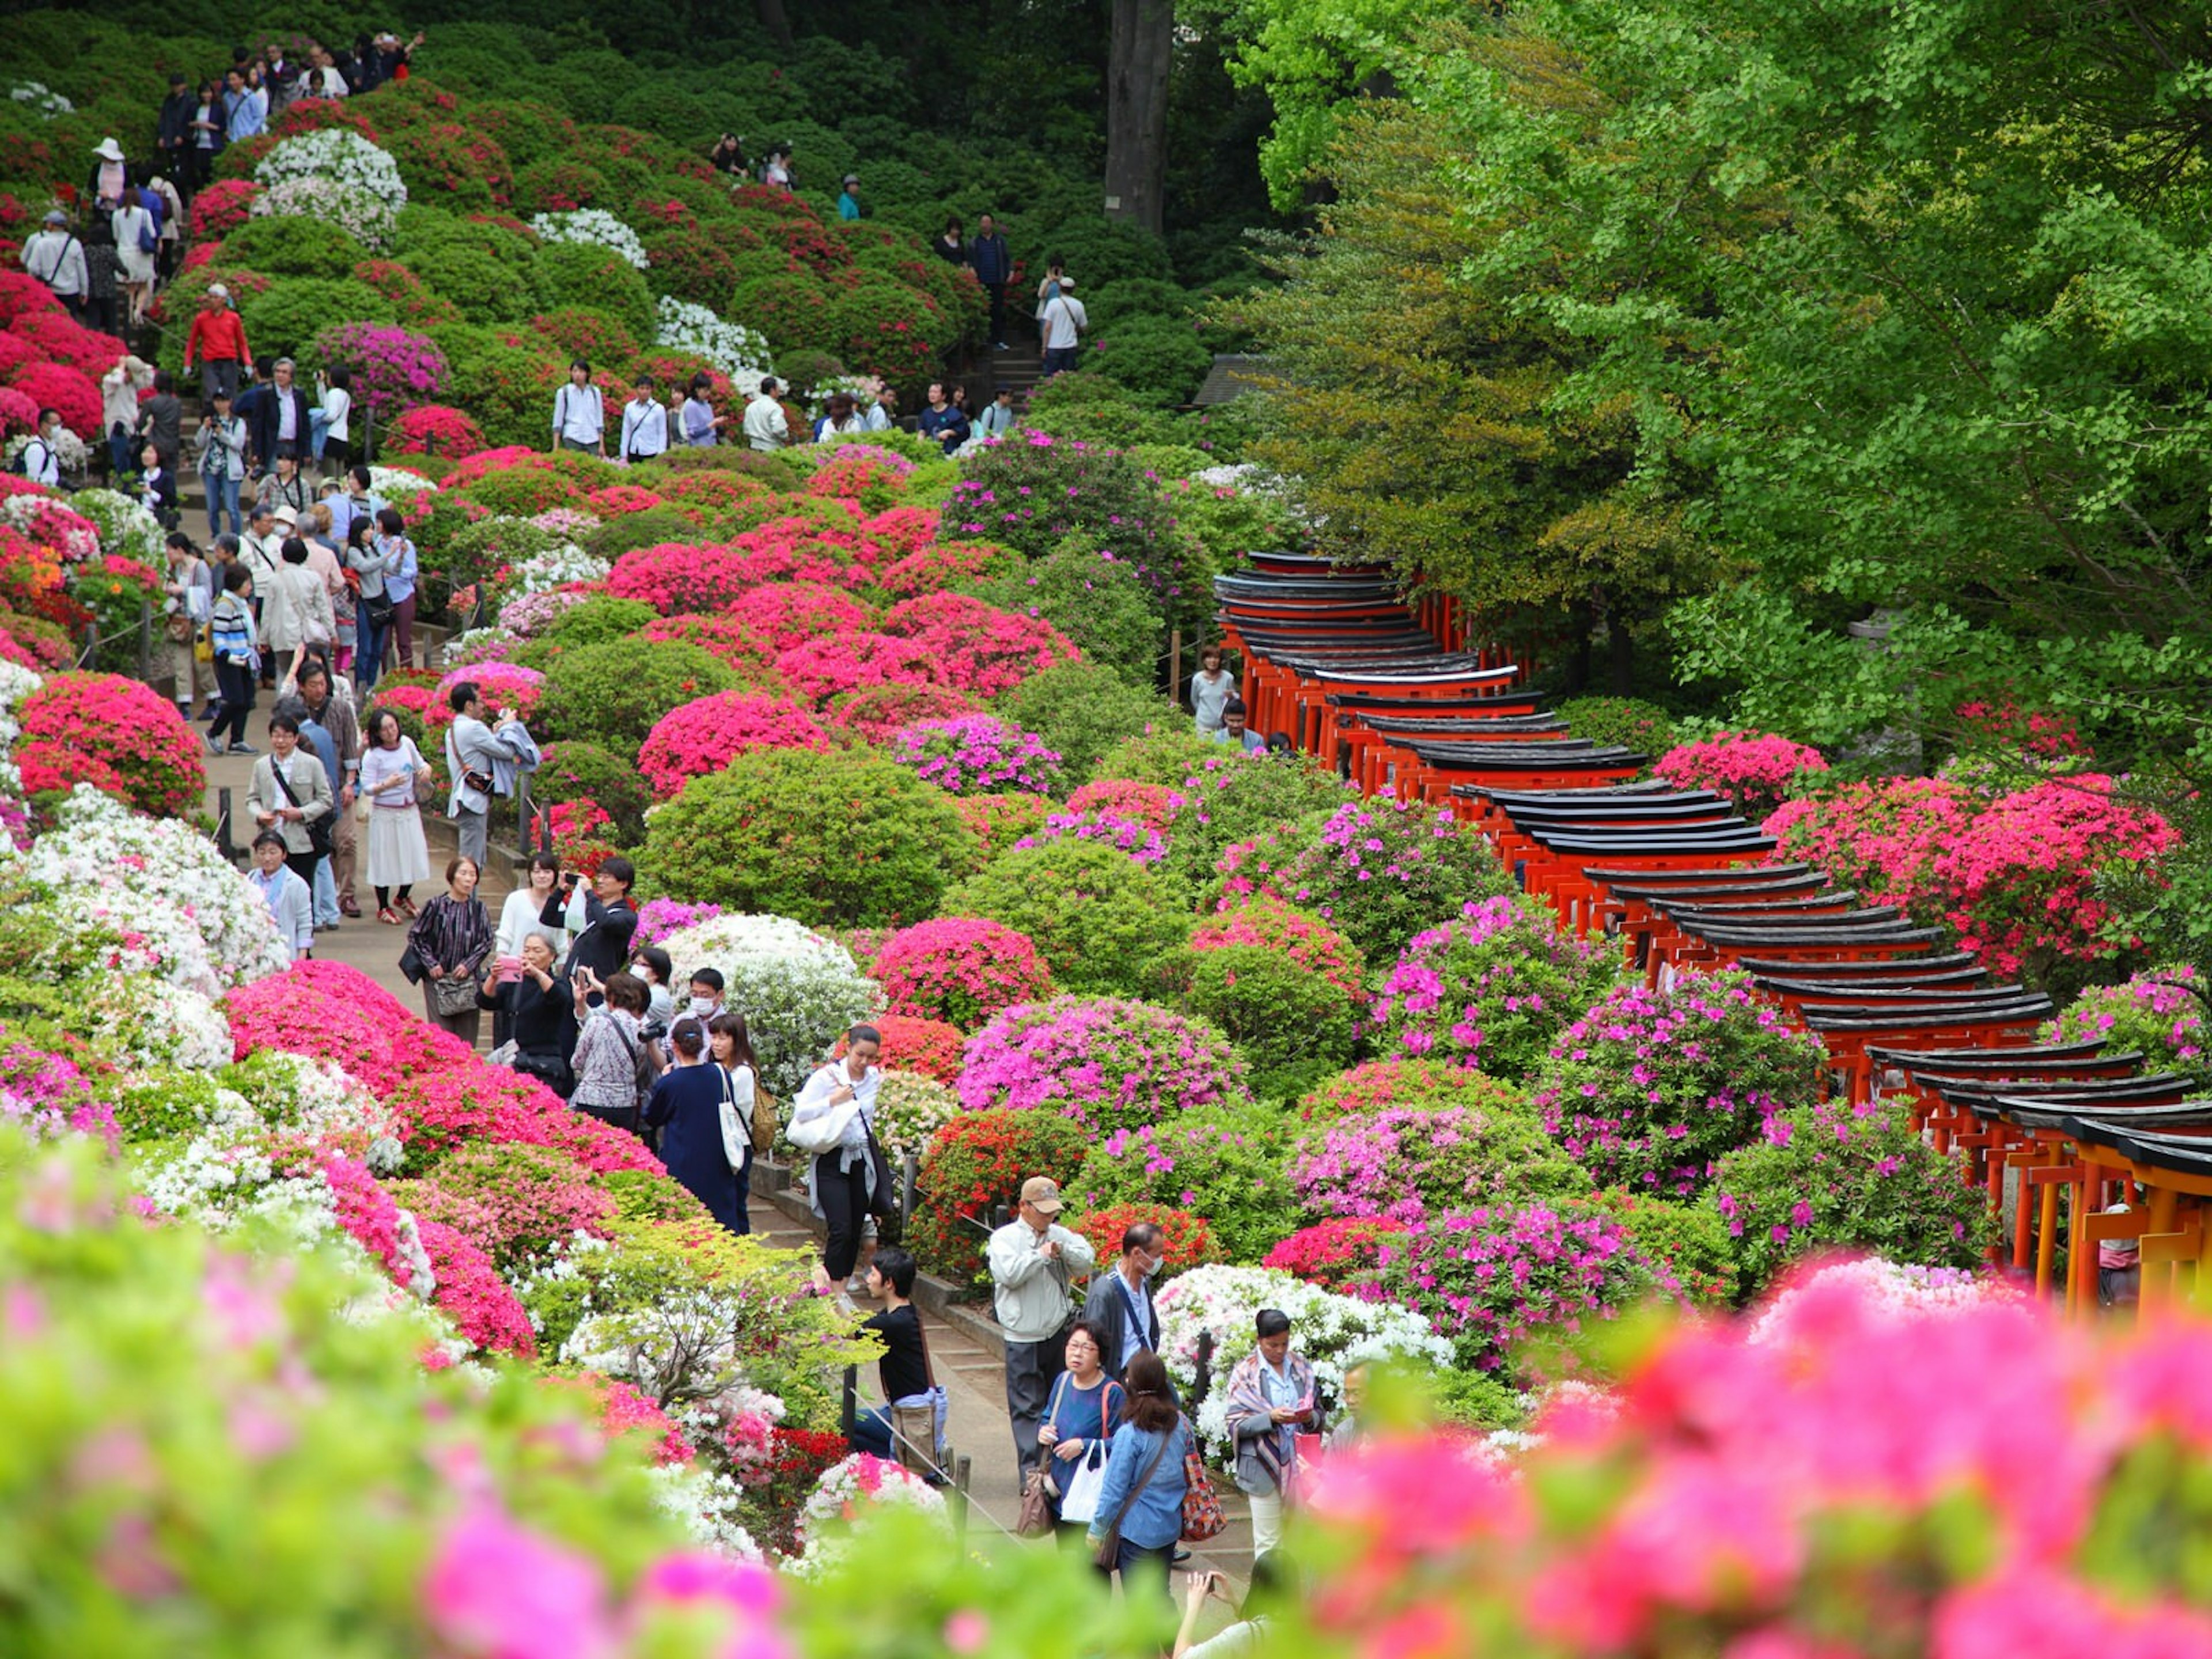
482 761
1121 1299
288 791
1032 1258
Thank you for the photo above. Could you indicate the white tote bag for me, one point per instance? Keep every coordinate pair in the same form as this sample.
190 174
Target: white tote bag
737 1112
1079 1486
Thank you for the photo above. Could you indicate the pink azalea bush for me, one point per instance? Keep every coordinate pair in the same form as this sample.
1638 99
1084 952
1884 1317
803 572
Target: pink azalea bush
1330 1252
788 614
1492 1278
473 1296
657 918
119 735
1756 770
45 1093
1131 835
821 670
985 651
1491 989
960 970
1297 936
977 754
699 737
393 369
1151 805
876 714
1650 1087
1404 1164
1106 1062
2160 1014
675 577
434 430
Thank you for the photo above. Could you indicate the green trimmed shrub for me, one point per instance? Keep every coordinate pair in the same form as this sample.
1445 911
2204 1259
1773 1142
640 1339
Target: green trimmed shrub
612 693
503 380
1094 410
1166 754
844 838
578 769
593 278
284 321
1628 721
1230 1167
1096 916
1159 361
1098 600
599 619
290 247
1083 710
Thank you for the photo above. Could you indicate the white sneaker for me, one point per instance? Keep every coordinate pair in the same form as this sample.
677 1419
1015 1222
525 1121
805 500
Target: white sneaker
856 1286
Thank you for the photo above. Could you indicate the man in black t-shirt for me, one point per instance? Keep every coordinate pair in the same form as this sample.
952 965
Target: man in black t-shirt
904 1369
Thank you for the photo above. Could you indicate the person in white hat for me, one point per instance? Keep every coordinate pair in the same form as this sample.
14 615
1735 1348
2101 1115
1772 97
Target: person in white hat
56 258
110 173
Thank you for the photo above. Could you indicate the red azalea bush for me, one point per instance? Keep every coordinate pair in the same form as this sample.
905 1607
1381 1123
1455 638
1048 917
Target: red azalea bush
1152 804
937 566
439 1108
927 1046
701 736
856 478
789 614
823 669
674 577
903 530
68 391
223 207
69 343
1185 1240
614 500
1429 1084
1881 837
1283 929
289 1013
824 546
724 638
1756 770
980 1160
15 352
960 970
510 1202
1001 821
875 714
119 734
984 650
473 1296
1332 1254
434 429
22 295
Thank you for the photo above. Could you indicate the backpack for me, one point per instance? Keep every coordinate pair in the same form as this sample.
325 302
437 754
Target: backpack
20 466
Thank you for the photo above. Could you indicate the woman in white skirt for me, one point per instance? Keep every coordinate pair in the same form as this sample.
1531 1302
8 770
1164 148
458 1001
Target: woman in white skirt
397 855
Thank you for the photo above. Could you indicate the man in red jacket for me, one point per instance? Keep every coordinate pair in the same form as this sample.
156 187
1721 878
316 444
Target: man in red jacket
218 340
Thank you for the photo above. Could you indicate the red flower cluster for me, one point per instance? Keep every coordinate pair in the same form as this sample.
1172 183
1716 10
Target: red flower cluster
701 736
116 734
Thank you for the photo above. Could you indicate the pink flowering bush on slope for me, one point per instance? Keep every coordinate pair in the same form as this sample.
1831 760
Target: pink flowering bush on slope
2161 1014
959 971
977 754
1650 1087
117 734
1143 843
1756 770
985 651
393 369
1107 1063
1403 1164
1491 989
700 737
1830 1175
1378 871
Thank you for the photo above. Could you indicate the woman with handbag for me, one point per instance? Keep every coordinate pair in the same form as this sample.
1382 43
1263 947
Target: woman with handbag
535 1009
731 1047
832 1121
610 1050
1086 1407
692 1105
190 604
450 941
367 559
1139 1515
391 768
1271 1403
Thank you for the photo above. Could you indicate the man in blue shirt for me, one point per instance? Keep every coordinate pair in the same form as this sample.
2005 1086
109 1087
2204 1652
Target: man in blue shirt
849 199
318 737
245 109
994 268
942 420
1233 730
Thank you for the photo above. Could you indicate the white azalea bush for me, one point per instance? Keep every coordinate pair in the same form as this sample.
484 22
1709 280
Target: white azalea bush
125 527
800 990
1334 1332
739 352
42 99
594 227
402 488
556 567
16 682
146 1021
839 1505
336 176
911 1109
154 895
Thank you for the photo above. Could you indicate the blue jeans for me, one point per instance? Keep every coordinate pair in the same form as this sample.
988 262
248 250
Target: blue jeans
368 653
318 432
118 449
871 1431
1139 1562
326 895
223 497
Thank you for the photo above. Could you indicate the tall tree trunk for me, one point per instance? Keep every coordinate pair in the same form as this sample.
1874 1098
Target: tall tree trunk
1141 53
777 22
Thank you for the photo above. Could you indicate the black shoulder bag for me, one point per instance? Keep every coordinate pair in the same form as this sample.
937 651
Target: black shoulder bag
321 835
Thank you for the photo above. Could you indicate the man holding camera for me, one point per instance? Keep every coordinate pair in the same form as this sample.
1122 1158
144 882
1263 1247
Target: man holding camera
602 917
484 761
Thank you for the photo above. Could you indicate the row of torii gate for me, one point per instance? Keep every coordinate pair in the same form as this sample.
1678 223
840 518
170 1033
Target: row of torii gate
1401 702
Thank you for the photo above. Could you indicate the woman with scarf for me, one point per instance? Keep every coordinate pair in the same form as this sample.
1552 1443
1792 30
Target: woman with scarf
1271 1403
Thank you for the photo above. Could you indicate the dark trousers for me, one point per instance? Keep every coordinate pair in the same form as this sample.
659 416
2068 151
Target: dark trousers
403 629
1143 1569
998 293
1030 1369
302 865
843 1195
1060 359
368 655
235 682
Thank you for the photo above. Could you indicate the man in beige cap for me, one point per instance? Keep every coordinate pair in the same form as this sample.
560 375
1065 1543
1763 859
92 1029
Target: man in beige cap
1032 1259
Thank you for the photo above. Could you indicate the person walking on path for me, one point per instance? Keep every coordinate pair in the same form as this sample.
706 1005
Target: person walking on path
1141 1503
402 565
1032 1261
289 792
119 412
1270 1402
731 1047
285 894
993 266
644 424
579 413
280 422
482 760
1086 1407
172 128
55 255
1121 1300
217 339
686 1105
450 939
767 427
372 607
1064 319
161 420
850 1181
330 423
315 697
295 610
237 660
391 771
190 604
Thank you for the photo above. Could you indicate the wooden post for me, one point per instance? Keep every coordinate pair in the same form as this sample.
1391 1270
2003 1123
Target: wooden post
1174 666
963 1466
524 817
146 640
223 843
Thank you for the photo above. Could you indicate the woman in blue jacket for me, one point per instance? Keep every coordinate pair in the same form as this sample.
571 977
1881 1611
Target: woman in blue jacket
686 1107
1145 1483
